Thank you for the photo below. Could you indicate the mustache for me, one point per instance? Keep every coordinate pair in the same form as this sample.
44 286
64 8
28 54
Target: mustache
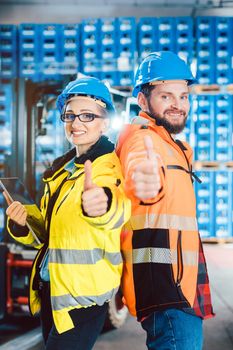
175 111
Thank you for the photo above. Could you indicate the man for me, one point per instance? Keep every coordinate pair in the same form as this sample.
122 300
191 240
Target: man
165 281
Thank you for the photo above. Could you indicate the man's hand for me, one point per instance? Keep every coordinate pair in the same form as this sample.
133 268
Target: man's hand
146 174
94 199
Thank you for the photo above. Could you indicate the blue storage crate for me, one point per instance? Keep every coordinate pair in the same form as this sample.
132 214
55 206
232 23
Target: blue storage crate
188 134
5 104
126 37
223 128
108 52
29 49
91 66
8 51
166 34
69 48
111 77
184 38
89 25
147 30
224 49
223 204
125 78
205 49
108 65
49 54
205 200
204 128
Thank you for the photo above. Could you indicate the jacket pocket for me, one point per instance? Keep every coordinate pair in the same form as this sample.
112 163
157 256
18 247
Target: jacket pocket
180 267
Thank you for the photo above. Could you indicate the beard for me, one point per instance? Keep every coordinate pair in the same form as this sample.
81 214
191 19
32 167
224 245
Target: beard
163 121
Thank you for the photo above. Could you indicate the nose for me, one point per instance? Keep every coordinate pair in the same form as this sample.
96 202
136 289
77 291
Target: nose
175 103
77 122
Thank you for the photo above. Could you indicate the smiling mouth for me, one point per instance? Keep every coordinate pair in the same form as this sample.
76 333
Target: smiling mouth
78 133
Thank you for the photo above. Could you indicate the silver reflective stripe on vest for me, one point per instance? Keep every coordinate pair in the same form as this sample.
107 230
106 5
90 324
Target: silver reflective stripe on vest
162 256
76 256
164 221
63 301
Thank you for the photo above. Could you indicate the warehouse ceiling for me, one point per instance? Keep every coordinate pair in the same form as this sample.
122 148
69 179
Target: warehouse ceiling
195 4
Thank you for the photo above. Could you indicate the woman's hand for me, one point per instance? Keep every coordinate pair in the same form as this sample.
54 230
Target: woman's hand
94 199
16 212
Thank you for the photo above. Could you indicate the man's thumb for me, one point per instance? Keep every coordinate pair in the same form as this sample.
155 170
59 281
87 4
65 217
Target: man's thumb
88 184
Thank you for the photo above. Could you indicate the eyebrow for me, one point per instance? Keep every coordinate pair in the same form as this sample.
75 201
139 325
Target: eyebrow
171 93
81 110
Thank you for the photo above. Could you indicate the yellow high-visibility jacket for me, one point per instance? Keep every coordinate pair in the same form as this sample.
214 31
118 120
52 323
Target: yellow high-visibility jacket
85 262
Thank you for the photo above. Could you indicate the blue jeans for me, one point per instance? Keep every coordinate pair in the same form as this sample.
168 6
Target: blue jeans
173 329
82 337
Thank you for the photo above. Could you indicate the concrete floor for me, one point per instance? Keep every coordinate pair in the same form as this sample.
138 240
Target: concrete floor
218 332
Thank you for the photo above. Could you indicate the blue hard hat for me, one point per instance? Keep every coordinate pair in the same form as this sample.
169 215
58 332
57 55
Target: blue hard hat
163 65
88 86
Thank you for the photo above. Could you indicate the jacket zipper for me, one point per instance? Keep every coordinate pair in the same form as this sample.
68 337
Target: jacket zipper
63 199
179 261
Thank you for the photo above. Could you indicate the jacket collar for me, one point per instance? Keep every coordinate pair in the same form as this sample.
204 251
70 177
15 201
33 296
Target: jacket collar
160 130
101 147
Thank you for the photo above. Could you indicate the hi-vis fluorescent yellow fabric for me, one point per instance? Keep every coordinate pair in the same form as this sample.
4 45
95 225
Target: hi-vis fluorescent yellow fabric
85 262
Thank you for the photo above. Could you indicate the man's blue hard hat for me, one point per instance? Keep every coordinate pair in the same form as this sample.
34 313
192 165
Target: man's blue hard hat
87 86
163 65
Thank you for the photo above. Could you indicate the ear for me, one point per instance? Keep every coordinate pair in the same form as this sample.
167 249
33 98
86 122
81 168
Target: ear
105 124
142 102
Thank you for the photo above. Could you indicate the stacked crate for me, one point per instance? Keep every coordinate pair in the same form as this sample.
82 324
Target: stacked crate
205 49
49 41
223 128
90 51
166 34
126 47
29 51
223 218
147 34
108 50
205 203
5 138
224 50
70 46
48 51
204 128
8 51
184 41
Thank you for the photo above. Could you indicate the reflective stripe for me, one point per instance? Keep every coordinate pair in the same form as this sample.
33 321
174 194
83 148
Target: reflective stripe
120 221
76 256
161 256
139 120
67 300
164 221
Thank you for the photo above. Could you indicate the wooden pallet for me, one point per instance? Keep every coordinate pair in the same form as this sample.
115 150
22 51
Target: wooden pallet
212 165
217 240
212 89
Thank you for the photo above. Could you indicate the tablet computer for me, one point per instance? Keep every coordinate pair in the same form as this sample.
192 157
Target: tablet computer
16 191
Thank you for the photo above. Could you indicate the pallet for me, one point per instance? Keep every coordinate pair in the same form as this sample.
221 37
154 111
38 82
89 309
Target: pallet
212 89
217 240
212 165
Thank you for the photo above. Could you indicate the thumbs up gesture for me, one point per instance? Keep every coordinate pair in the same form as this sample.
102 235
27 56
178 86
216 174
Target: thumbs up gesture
94 199
146 174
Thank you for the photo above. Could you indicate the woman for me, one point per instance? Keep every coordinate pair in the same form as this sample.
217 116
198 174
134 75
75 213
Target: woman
78 266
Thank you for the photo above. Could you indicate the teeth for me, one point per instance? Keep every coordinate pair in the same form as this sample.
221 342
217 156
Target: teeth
78 132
